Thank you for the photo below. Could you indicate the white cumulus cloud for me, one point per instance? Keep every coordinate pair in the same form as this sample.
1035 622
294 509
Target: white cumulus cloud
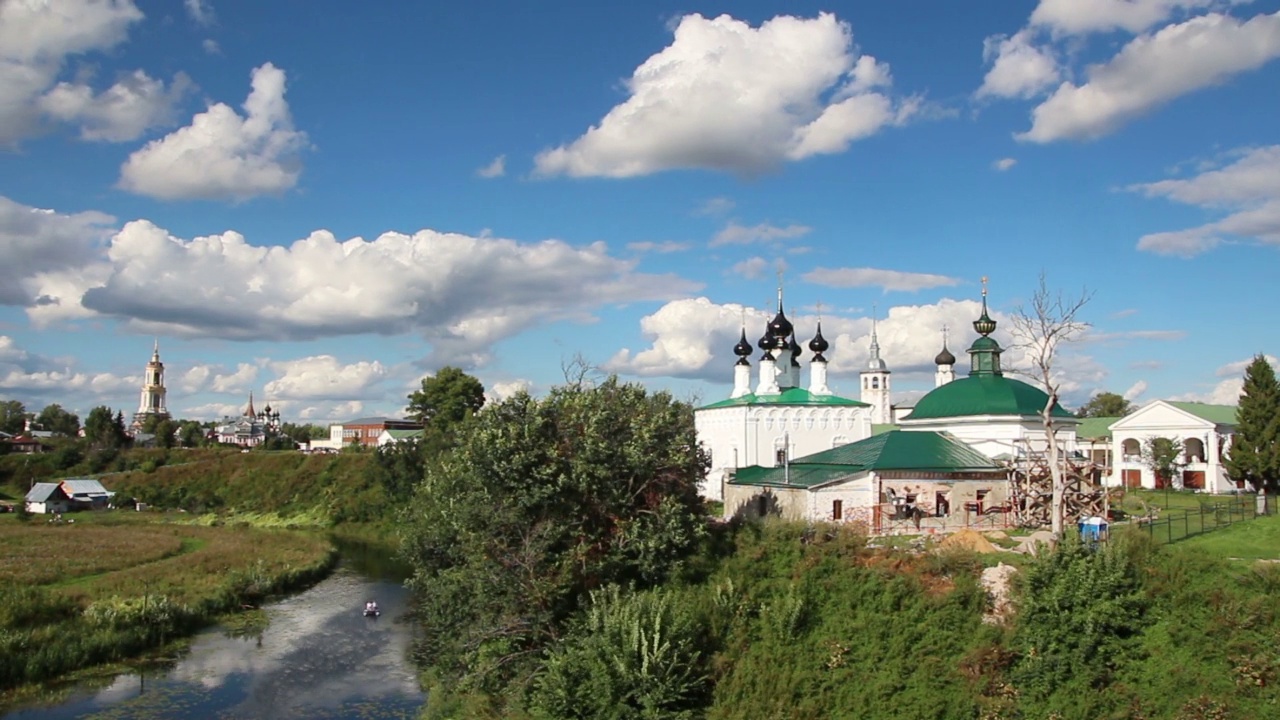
1152 70
1078 17
1247 190
36 39
38 245
221 154
495 169
124 111
728 96
324 377
461 293
1019 68
1226 391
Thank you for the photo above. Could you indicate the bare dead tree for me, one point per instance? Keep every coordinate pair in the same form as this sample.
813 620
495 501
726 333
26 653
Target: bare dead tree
579 371
1039 330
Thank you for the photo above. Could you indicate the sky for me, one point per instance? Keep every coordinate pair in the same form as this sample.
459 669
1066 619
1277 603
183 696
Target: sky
324 202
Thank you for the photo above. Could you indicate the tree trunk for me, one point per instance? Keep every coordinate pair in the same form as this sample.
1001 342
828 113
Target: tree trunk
1055 469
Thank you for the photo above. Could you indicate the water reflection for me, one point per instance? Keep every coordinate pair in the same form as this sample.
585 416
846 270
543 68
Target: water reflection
318 658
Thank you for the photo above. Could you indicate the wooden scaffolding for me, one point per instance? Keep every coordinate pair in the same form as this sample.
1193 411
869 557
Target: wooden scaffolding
1032 486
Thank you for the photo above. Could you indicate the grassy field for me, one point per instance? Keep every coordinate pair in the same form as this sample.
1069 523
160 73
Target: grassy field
113 584
1258 539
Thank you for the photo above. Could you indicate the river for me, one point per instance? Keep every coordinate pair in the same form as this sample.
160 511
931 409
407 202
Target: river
318 658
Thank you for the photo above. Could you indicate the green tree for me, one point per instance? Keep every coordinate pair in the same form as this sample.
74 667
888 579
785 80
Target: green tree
104 430
302 432
399 466
191 433
166 432
1105 404
13 416
540 501
446 399
1254 456
55 419
1163 457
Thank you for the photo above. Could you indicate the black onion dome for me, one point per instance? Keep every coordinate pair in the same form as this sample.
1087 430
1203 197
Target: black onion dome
742 349
767 341
945 357
795 352
780 326
818 344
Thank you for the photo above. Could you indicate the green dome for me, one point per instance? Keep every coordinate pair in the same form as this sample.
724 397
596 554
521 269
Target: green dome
983 395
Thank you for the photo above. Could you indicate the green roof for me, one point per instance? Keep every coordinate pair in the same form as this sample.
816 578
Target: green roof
923 451
878 428
1218 414
1095 427
790 396
403 434
984 394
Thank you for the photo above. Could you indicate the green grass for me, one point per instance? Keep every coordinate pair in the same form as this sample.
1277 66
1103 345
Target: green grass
112 586
1257 539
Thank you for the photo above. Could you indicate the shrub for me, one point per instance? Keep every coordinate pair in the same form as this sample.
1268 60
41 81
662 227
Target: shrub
632 656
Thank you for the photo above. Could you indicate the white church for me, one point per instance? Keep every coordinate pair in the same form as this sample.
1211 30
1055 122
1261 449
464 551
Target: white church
817 455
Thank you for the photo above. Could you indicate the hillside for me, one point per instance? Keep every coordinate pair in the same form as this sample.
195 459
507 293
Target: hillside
309 489
314 489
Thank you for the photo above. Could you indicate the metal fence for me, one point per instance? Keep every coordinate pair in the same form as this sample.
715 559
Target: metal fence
1181 523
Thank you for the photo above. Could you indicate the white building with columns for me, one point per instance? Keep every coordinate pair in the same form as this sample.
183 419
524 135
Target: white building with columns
1204 431
779 419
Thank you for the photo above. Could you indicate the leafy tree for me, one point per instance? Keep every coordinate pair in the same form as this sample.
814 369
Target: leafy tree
632 655
399 466
103 430
166 431
1163 457
191 433
1254 456
55 419
1080 612
446 399
301 432
1105 404
13 416
540 501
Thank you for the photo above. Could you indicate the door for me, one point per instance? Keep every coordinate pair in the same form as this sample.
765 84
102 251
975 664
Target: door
1132 478
1193 479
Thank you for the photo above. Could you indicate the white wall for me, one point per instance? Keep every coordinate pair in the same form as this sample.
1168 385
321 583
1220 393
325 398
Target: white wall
748 435
1160 420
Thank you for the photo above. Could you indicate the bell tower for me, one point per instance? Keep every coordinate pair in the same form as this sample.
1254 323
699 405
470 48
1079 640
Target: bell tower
152 400
875 382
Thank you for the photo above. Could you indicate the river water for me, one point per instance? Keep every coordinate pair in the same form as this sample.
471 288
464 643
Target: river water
318 658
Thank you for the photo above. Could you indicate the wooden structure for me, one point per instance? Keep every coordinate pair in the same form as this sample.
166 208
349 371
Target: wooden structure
1031 487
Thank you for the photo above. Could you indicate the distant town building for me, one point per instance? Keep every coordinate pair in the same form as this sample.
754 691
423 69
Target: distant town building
151 403
249 429
366 431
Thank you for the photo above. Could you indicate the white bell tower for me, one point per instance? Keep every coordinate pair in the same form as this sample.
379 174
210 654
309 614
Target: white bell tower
875 382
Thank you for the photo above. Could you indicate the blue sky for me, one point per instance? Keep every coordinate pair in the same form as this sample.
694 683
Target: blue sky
323 202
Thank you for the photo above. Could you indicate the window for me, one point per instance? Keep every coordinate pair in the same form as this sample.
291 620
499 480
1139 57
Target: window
875 383
837 510
780 456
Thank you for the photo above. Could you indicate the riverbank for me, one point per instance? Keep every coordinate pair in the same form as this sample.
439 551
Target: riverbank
110 586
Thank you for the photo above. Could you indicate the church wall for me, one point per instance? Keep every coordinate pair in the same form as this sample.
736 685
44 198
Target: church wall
752 435
994 436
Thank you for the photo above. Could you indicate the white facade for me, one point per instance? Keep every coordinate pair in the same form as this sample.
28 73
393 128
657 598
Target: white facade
151 401
1001 436
1204 443
875 385
755 434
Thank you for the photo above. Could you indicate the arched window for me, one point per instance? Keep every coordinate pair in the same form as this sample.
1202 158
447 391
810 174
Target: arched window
1131 450
1193 448
875 383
